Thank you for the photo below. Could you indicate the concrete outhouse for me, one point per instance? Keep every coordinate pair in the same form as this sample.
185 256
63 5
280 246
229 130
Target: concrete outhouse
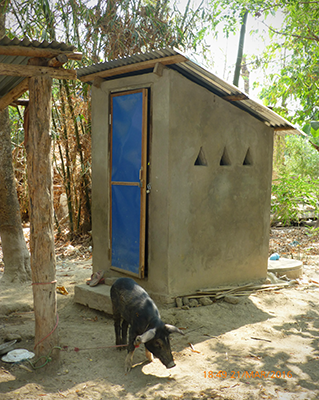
182 166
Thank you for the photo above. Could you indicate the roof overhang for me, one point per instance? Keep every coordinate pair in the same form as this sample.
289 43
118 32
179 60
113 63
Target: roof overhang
22 59
176 60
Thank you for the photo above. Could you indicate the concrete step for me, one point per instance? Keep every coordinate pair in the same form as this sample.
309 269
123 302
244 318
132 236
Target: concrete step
96 297
286 266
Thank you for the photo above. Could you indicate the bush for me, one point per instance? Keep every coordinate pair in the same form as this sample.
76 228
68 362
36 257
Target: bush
301 158
296 187
291 196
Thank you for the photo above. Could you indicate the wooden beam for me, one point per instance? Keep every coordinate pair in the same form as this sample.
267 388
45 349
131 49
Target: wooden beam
236 97
134 67
37 52
58 61
20 102
32 70
14 94
158 69
98 82
284 128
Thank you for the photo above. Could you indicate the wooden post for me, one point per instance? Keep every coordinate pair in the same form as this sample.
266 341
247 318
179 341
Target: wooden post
43 264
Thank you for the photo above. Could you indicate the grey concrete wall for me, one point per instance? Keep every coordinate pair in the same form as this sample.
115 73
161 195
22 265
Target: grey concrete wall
219 215
100 179
158 218
208 225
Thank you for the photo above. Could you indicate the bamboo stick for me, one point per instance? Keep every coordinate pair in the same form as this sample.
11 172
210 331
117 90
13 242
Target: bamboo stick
218 293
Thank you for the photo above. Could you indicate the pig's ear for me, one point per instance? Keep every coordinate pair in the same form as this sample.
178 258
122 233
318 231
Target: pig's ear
173 329
148 335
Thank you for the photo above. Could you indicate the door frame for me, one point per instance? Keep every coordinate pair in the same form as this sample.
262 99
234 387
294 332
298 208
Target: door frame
142 178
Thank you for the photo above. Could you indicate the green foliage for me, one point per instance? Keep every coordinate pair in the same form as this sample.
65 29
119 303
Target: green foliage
290 62
17 131
228 14
296 83
301 158
291 195
297 185
312 232
293 87
312 129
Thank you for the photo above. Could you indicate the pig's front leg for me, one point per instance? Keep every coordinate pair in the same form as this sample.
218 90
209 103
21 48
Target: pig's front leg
149 355
130 349
128 362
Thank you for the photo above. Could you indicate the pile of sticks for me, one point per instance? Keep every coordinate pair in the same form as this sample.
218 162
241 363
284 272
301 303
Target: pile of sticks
245 290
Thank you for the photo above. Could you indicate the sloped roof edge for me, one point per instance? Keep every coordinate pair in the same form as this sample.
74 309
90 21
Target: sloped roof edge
196 73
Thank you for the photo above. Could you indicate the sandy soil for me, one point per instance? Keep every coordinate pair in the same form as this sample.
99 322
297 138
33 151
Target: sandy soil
264 347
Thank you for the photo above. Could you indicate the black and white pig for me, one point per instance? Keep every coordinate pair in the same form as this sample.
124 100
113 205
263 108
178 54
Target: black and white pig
132 304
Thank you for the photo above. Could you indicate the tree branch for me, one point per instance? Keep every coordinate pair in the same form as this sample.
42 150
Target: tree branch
314 145
275 6
313 37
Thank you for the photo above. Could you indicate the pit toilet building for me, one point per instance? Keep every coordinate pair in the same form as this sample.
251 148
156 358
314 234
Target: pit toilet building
181 172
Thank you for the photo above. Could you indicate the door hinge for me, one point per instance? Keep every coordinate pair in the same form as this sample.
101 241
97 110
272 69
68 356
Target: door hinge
110 119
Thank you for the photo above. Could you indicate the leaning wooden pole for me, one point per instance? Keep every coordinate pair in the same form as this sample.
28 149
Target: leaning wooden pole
43 265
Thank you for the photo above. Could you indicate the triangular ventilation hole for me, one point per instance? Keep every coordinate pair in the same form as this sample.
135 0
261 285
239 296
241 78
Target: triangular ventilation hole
225 160
248 160
201 159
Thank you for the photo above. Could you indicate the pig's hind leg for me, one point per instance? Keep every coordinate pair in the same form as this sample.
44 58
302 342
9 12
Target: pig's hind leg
124 331
117 326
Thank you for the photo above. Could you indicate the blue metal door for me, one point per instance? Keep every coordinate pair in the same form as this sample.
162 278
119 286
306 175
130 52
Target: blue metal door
128 181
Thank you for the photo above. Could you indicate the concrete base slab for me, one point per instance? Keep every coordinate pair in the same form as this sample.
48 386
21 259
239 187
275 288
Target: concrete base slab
99 297
286 266
96 297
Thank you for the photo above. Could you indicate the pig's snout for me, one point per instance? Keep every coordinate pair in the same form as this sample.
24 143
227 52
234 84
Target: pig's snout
171 364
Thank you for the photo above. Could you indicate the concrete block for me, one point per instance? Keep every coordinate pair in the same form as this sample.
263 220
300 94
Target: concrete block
286 266
96 297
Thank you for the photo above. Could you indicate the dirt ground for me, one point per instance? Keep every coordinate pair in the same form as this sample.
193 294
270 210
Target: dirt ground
264 347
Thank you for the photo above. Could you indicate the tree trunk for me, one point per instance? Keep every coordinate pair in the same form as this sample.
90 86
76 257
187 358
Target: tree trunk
15 253
245 74
240 50
41 212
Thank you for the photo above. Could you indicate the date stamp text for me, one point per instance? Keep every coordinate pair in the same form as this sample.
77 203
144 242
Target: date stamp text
248 374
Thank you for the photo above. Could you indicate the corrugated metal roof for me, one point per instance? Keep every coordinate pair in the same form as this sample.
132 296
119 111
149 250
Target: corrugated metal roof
7 83
121 62
202 77
26 42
